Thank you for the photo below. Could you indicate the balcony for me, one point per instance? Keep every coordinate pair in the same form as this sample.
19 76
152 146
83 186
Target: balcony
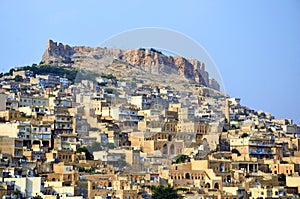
63 127
261 144
260 152
63 121
41 136
22 131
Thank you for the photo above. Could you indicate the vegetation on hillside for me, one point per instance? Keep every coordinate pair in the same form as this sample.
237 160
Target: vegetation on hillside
162 192
70 73
53 70
88 154
181 158
152 50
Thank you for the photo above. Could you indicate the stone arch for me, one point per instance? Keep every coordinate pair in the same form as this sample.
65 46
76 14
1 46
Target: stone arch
229 178
109 184
216 186
172 149
187 176
169 138
207 185
222 167
165 149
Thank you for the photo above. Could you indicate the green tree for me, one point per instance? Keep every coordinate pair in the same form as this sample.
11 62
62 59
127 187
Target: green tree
88 155
18 78
164 192
244 135
182 158
11 71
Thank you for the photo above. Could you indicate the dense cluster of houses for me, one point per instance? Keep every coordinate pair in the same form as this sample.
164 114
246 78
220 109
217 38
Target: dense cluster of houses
117 138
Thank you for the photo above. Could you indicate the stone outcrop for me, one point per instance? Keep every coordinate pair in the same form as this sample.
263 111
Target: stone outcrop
150 61
56 53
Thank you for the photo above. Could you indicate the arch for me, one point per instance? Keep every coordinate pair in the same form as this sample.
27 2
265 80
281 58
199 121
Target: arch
207 185
165 149
169 138
222 167
187 176
216 186
172 149
109 184
229 178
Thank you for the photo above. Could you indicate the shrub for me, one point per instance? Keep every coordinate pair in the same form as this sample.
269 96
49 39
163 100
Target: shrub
244 135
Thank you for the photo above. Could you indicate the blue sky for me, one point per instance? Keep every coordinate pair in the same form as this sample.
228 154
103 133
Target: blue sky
255 44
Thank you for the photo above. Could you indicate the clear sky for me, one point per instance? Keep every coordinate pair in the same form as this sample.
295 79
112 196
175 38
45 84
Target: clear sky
255 44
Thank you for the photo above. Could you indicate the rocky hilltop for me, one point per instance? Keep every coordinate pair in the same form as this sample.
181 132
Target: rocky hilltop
149 61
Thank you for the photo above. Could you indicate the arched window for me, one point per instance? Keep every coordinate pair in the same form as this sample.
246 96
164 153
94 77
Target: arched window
207 185
216 186
187 176
165 149
172 149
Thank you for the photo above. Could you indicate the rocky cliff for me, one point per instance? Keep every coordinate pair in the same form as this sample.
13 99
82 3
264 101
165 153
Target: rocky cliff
150 61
